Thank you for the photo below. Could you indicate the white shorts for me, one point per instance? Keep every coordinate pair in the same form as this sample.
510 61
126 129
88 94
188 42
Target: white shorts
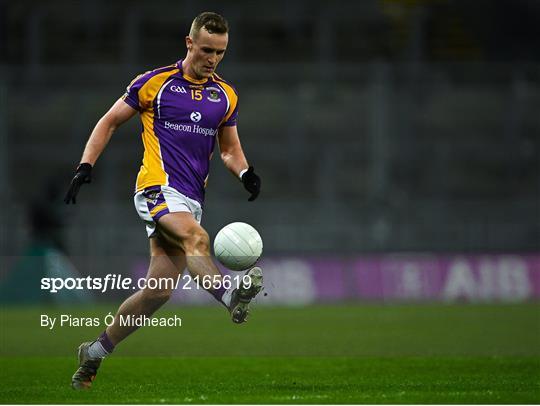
156 201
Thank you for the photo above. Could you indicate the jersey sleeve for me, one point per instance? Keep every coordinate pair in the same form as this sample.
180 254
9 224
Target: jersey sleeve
231 121
132 96
231 115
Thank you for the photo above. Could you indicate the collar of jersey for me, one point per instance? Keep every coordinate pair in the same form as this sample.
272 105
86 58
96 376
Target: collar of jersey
187 77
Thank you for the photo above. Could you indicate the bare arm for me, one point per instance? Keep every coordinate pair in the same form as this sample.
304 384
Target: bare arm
232 154
118 114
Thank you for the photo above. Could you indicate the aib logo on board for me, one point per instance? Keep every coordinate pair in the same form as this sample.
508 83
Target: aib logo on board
195 116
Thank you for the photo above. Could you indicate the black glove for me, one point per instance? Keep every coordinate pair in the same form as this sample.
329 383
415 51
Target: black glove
82 175
252 183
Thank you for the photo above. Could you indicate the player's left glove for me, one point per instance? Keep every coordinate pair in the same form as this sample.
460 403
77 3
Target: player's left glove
252 183
82 175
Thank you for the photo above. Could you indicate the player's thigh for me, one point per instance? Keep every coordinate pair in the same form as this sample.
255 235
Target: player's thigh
180 229
166 260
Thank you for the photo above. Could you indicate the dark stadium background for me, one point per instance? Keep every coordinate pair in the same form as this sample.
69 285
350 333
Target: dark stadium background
398 143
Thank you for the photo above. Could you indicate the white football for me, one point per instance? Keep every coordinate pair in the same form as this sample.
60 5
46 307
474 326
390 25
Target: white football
238 246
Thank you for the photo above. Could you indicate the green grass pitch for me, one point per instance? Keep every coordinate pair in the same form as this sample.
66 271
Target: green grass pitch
430 353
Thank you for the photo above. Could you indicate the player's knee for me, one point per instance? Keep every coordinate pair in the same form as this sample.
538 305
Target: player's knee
197 242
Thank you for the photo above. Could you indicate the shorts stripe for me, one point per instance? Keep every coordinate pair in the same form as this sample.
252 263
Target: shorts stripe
158 208
151 204
161 213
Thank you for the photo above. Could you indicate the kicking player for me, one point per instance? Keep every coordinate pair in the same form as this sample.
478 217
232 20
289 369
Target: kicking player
183 108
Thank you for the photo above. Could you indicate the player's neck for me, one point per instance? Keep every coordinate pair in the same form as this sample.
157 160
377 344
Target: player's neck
187 70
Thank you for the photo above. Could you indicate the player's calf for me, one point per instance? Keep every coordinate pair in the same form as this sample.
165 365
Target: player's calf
153 299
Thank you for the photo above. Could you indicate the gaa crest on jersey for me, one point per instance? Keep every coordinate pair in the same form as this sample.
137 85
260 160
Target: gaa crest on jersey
178 89
213 94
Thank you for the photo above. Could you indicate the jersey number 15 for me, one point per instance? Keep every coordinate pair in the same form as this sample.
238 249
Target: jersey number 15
196 94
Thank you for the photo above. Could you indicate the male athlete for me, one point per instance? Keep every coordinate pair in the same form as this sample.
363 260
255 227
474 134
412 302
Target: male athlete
183 108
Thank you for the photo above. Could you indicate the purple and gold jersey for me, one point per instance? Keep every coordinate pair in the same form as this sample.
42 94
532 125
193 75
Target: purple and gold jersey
180 117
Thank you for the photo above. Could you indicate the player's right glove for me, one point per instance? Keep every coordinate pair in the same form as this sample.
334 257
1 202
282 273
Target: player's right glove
83 174
252 183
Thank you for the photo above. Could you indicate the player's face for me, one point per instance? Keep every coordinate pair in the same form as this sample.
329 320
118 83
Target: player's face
206 52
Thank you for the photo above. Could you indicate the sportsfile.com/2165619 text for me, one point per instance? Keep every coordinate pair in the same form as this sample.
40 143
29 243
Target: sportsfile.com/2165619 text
118 282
